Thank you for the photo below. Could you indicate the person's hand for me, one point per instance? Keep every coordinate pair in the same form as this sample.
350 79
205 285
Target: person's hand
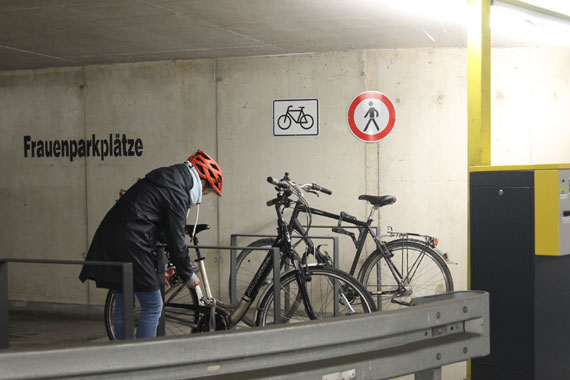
194 284
169 275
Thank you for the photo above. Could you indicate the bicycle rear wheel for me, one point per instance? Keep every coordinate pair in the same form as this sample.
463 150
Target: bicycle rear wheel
178 321
332 293
423 271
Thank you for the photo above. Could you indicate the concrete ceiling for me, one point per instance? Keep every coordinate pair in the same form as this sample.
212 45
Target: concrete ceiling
54 33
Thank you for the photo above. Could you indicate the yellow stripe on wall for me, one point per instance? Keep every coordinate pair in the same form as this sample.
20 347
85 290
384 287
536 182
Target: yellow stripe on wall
479 83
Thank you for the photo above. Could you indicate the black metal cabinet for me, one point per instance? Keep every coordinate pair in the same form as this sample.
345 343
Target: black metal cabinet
529 295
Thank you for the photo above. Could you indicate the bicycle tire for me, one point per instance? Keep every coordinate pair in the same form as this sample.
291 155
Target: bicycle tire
321 293
247 264
178 321
284 122
429 273
306 121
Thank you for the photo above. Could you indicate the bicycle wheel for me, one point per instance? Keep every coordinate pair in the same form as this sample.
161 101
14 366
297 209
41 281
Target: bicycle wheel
423 271
177 321
322 285
247 264
284 122
306 121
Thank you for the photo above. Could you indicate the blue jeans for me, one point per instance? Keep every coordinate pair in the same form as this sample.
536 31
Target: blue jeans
151 307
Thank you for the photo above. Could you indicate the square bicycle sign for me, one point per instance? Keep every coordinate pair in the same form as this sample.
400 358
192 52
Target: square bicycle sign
296 117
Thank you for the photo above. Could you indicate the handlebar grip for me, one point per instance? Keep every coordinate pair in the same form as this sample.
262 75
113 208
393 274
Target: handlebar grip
272 181
321 189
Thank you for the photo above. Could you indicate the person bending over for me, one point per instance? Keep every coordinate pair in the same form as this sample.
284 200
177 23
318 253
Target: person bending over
131 229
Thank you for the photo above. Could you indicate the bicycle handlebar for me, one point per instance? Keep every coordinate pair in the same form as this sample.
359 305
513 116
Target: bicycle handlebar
288 184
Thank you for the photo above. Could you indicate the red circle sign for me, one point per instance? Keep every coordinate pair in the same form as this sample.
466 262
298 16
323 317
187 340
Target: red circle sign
371 116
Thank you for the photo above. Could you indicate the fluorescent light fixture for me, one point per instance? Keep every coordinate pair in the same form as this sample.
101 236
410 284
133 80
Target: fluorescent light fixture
529 24
444 10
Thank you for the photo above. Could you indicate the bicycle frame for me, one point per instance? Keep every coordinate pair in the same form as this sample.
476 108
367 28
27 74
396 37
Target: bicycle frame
364 229
300 114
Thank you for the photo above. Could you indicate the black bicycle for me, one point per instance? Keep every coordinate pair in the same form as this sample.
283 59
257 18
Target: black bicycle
307 292
403 265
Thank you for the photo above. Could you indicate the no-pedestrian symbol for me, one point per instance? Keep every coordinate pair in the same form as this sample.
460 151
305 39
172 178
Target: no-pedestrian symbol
371 116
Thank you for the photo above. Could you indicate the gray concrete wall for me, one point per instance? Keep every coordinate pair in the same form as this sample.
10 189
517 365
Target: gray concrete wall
530 106
52 206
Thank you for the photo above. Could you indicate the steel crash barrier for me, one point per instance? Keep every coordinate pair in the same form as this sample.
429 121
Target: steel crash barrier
434 332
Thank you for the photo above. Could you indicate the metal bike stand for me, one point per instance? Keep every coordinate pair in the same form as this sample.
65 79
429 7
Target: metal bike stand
127 286
233 261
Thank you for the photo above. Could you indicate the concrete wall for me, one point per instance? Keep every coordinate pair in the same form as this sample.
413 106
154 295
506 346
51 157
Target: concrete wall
52 206
530 106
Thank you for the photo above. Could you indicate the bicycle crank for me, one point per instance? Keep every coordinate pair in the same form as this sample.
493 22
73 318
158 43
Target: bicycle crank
221 318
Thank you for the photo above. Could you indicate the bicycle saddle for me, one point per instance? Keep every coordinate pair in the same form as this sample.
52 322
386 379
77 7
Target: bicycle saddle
378 201
199 228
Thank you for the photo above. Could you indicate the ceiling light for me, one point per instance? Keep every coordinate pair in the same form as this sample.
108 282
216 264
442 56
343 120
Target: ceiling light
529 24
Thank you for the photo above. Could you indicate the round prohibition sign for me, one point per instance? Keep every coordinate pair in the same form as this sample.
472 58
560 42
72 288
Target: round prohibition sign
371 116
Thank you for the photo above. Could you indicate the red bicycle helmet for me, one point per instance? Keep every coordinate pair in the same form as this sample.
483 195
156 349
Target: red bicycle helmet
208 169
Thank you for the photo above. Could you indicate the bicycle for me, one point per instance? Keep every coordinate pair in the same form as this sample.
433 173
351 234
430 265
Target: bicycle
306 121
307 292
409 265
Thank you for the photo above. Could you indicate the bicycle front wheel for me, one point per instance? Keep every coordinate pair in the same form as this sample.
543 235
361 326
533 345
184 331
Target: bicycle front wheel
178 321
247 264
332 293
422 270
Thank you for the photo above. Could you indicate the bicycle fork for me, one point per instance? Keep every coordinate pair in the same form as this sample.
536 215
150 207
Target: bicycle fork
302 283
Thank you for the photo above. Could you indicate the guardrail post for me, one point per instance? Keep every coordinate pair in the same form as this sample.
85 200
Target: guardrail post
4 312
128 297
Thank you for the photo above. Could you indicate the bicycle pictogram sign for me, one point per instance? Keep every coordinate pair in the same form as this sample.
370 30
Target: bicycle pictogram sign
304 120
371 116
295 117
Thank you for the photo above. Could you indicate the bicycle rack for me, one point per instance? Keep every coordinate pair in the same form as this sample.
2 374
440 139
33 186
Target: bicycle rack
127 285
233 258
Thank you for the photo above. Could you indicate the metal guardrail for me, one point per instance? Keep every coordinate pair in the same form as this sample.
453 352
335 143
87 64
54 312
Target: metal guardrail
437 331
127 286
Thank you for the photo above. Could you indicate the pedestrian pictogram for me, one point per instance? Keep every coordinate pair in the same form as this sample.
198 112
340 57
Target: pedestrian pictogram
371 116
296 117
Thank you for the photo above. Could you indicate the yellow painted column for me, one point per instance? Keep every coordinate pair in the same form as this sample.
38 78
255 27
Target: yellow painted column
478 100
479 82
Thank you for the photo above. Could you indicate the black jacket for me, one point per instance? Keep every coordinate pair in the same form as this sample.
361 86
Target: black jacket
131 229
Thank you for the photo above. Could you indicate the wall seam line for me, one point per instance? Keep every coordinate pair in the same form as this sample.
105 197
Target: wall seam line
84 91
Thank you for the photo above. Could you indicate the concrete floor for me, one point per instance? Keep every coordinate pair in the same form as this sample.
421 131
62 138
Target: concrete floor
37 330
